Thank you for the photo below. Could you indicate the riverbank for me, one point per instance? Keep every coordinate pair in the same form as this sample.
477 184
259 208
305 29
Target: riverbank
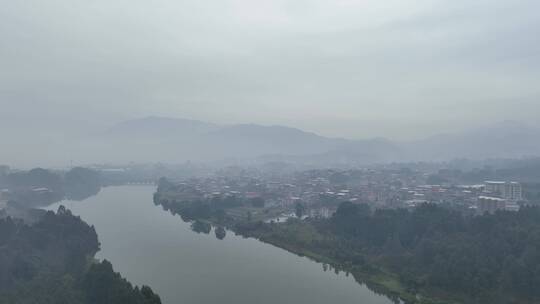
48 257
294 236
374 277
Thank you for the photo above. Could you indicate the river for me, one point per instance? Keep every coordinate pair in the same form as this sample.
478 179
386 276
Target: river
148 245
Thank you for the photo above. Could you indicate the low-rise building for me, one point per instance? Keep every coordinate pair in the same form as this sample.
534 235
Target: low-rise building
490 204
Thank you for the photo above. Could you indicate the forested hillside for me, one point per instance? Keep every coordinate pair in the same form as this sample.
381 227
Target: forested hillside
52 262
430 250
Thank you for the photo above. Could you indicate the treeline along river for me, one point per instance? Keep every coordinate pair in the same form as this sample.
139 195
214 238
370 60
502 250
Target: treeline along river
150 246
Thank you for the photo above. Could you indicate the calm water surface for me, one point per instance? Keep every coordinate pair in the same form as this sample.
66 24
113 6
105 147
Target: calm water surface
150 246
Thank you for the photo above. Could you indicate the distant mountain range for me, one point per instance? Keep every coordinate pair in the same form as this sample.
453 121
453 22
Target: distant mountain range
506 139
177 140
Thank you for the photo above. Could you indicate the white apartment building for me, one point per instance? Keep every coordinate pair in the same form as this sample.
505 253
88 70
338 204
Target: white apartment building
507 190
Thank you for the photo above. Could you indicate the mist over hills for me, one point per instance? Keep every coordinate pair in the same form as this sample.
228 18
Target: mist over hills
507 139
174 140
156 128
177 140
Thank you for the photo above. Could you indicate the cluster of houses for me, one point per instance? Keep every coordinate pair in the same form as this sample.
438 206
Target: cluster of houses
321 191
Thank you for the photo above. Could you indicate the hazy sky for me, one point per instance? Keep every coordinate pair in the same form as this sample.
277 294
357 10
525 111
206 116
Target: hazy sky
395 68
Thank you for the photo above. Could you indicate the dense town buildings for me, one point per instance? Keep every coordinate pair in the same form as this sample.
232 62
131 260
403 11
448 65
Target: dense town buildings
321 191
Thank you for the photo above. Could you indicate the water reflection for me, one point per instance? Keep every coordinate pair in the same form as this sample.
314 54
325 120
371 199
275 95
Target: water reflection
81 193
220 233
200 226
